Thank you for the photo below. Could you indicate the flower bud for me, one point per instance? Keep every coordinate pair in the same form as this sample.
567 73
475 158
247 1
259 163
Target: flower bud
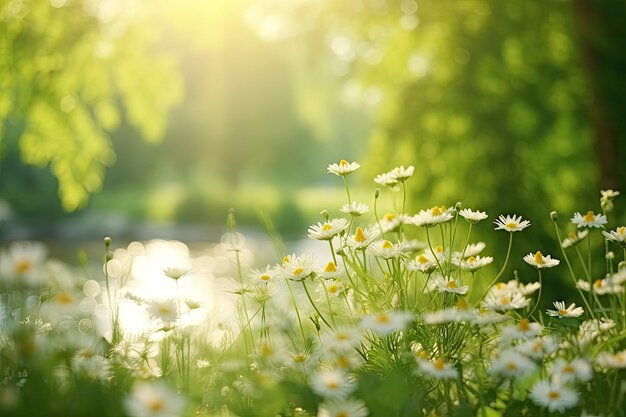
554 215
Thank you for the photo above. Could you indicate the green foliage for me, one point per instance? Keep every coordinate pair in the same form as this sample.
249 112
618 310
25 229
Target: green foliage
66 74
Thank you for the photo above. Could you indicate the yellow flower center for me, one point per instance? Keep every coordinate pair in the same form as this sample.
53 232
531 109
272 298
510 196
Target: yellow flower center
524 325
438 249
422 259
511 225
471 260
387 244
589 217
326 227
571 235
383 318
299 358
298 271
539 258
597 283
64 298
389 217
343 162
569 369
163 309
553 395
440 364
333 384
265 277
330 267
506 300
621 231
342 361
438 211
156 405
563 312
285 260
342 336
500 285
359 236
332 288
452 284
22 267
342 414
462 304
422 354
512 366
266 350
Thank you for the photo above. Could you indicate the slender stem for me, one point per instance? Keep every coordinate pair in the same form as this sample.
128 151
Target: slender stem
538 295
345 183
295 306
332 251
589 254
243 300
506 261
430 246
308 295
330 308
402 213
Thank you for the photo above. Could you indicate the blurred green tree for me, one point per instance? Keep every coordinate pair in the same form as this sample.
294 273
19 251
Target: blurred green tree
70 73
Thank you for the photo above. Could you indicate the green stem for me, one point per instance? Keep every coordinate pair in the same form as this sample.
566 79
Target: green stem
538 295
345 183
506 261
295 306
308 295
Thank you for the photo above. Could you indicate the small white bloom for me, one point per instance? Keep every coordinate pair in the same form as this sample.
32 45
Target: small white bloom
589 220
334 287
473 216
616 236
538 348
332 271
574 238
385 249
390 222
431 217
460 313
401 173
511 223
355 209
154 399
22 264
510 364
473 249
343 408
601 286
505 301
328 229
539 261
343 168
561 311
473 263
176 272
265 276
362 238
333 384
166 310
613 361
524 329
297 268
438 369
555 397
570 371
449 285
421 263
343 339
386 179
387 322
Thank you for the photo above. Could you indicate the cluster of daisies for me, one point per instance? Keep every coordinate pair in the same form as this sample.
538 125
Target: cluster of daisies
404 291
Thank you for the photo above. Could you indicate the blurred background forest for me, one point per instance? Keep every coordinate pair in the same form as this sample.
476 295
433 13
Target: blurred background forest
146 118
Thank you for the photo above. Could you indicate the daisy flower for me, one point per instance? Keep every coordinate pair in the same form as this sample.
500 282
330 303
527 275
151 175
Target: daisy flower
362 238
297 268
401 173
385 249
431 217
606 199
333 384
334 287
539 261
570 371
473 263
265 276
153 399
342 339
421 263
176 273
511 223
473 216
612 361
510 364
561 311
166 310
524 329
601 286
505 301
460 313
449 285
589 220
343 168
438 369
616 236
332 271
573 239
555 397
328 229
387 322
386 180
472 249
343 408
390 222
354 209
22 262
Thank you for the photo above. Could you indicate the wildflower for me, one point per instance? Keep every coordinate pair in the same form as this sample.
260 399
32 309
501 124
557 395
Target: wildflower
449 285
390 222
606 199
573 239
431 217
22 262
538 348
473 216
387 322
505 301
332 271
601 286
438 369
592 329
576 370
589 220
561 311
421 263
539 261
328 229
524 329
343 339
401 174
511 223
273 353
616 236
510 364
386 179
343 408
332 384
176 273
385 249
343 168
459 313
265 276
154 399
613 361
297 268
354 209
334 287
472 249
555 397
165 310
473 263
362 238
